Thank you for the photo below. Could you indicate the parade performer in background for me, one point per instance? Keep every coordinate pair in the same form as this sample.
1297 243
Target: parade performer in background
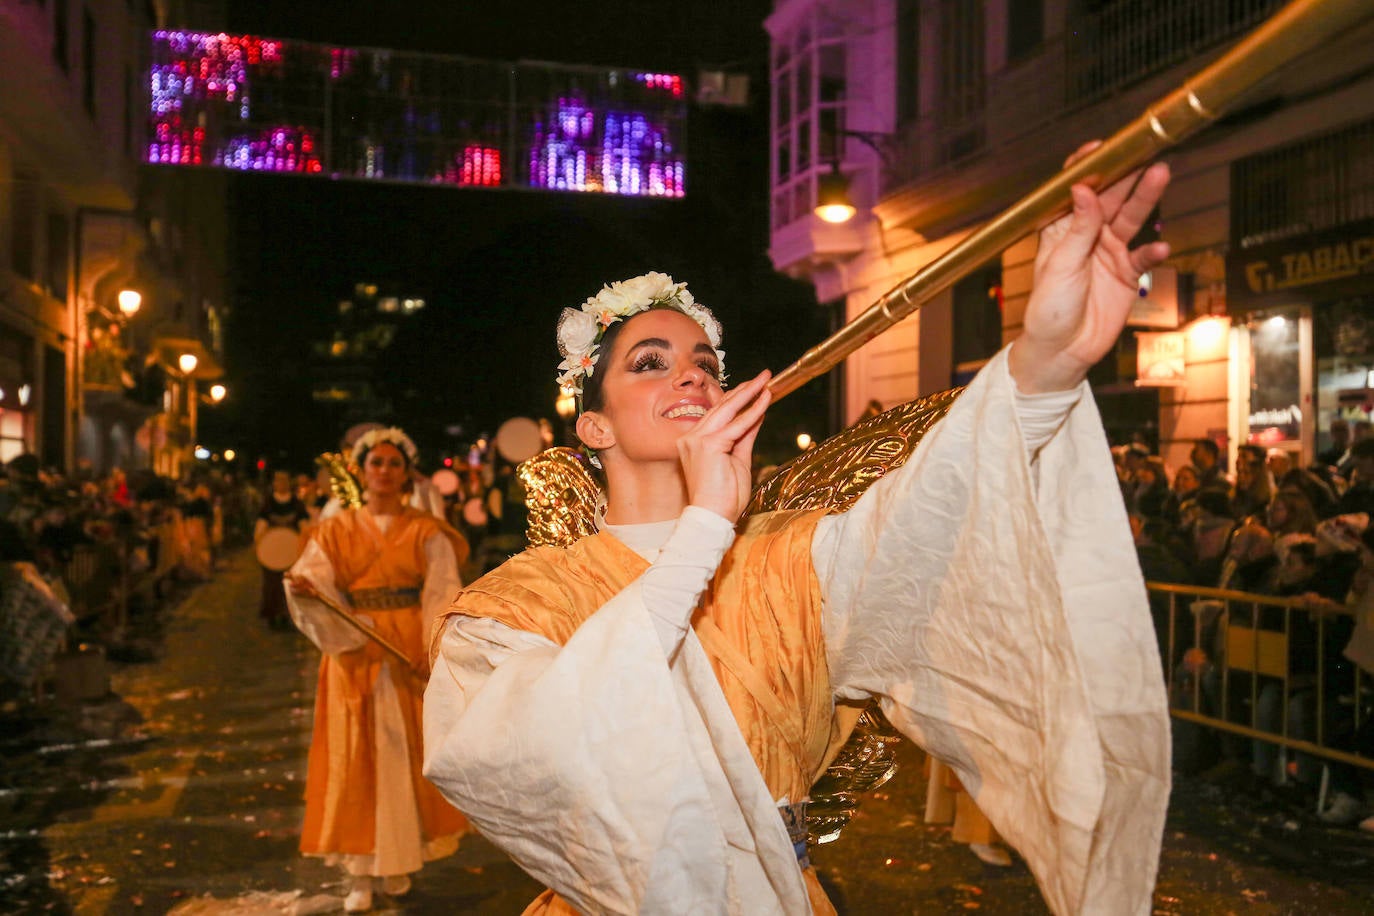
282 512
367 806
197 516
417 491
637 719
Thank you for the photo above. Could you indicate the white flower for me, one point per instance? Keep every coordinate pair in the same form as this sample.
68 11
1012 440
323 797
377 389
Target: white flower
613 299
577 331
720 364
575 367
708 322
392 434
647 288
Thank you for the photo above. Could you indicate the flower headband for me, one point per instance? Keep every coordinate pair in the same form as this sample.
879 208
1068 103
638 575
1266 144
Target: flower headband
391 434
580 331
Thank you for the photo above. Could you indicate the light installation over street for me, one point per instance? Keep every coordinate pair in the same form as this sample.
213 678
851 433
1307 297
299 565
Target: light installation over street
258 104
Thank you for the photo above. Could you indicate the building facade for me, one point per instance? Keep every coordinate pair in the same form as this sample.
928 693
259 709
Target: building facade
82 370
943 112
346 369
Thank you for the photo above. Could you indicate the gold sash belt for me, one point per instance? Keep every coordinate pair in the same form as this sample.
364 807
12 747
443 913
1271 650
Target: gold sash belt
383 599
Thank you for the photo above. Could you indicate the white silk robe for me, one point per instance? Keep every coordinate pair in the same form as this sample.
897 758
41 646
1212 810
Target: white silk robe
993 605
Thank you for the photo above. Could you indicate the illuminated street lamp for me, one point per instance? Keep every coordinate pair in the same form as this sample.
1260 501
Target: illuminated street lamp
187 363
130 300
217 392
833 203
566 405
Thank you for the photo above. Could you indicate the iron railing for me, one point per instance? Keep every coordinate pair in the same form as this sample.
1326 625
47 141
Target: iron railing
1097 56
1264 668
1309 186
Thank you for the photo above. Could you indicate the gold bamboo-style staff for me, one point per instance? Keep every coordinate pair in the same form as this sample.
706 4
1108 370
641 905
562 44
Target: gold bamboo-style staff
371 634
1292 32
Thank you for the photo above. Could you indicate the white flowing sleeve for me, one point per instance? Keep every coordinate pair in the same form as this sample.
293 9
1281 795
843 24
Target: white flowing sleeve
442 581
321 625
1002 622
673 583
619 780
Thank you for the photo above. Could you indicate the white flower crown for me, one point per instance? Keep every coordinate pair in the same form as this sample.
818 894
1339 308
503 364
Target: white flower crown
391 434
580 331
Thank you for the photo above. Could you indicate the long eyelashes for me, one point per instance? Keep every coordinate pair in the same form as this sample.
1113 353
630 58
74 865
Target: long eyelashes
647 361
653 361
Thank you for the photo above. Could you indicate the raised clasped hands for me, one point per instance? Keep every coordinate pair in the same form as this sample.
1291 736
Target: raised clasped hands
1086 279
717 453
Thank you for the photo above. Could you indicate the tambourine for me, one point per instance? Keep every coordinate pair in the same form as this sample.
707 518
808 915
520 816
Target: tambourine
475 512
519 438
445 481
278 548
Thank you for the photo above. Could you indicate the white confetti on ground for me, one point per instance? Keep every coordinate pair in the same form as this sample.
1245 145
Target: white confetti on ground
260 903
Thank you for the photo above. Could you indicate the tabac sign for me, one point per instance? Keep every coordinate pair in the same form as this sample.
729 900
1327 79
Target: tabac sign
1325 265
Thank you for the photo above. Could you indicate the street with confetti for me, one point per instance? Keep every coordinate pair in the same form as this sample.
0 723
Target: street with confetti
181 792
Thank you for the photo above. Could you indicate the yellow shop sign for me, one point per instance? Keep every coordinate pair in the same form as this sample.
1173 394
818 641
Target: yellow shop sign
1309 266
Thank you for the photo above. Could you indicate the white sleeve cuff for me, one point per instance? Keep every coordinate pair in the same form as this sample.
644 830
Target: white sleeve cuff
1041 415
673 583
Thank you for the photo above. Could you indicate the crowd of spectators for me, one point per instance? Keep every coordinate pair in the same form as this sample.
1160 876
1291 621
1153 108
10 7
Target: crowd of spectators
1276 529
73 545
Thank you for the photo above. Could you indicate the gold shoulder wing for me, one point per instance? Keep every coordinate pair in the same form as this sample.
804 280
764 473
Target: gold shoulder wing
561 496
342 484
837 472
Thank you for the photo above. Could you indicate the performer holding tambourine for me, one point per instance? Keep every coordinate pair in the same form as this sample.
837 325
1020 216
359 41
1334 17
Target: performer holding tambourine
277 542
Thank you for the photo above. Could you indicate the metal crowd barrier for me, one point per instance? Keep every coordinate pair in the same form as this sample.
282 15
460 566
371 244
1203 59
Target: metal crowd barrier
1222 650
100 578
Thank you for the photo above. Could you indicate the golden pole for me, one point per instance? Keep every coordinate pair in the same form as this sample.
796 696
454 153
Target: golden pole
1295 30
370 633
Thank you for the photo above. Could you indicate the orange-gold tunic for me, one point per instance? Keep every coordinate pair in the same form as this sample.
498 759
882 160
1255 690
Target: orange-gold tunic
759 623
355 737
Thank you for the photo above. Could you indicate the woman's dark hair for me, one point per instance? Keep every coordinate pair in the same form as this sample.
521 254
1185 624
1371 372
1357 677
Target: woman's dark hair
1302 518
1213 500
593 396
1209 446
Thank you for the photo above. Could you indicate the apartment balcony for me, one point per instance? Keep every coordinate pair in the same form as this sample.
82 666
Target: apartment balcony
808 243
977 152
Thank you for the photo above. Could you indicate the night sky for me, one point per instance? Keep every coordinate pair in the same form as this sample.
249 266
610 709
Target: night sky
495 267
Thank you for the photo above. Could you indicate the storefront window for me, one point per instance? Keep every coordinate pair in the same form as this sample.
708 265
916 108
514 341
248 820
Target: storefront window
16 393
1275 378
11 434
1345 364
